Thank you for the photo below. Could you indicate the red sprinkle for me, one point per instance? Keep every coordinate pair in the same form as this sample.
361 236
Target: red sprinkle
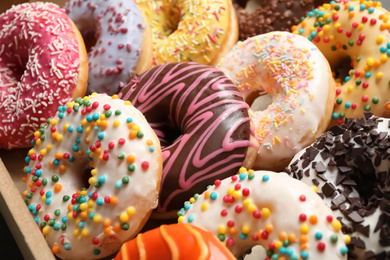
245 192
238 209
106 107
217 183
257 214
224 213
107 199
95 105
145 165
321 246
95 241
121 141
302 217
302 198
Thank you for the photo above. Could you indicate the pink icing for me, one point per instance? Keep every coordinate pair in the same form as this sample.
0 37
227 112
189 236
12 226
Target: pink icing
39 65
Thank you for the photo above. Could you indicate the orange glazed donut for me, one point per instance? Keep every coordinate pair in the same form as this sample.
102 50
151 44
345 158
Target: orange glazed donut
43 65
175 241
191 30
359 30
279 213
112 140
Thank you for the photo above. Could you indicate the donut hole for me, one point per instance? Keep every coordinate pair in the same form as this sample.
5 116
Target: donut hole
341 68
90 40
259 101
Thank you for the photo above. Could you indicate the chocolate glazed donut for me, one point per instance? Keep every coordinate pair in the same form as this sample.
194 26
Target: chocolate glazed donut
272 15
202 123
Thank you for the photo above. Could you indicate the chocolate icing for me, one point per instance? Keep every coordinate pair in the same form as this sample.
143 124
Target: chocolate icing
273 15
202 109
357 148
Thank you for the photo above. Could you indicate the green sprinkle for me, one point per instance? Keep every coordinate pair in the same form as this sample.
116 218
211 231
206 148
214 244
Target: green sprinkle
65 198
125 226
57 212
375 100
44 181
221 237
367 108
140 134
118 112
55 178
121 156
125 180
131 168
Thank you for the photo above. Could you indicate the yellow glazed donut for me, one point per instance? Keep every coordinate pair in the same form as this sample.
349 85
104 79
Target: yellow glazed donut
359 30
191 30
281 214
297 76
91 220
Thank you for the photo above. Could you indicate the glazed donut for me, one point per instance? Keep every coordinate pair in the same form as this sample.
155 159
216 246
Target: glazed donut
349 166
202 123
359 30
297 76
90 220
269 16
123 41
175 241
269 209
186 30
43 65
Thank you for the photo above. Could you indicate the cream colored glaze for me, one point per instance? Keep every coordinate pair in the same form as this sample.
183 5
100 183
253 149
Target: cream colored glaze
297 76
135 200
278 200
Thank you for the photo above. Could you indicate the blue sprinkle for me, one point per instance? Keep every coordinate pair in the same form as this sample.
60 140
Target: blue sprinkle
347 105
129 120
96 128
304 254
383 49
368 74
347 78
371 10
321 13
81 224
32 142
56 226
99 201
344 250
96 116
362 7
310 38
79 129
38 172
27 159
47 201
318 235
101 135
313 33
91 215
187 206
36 220
118 184
71 159
388 52
351 8
151 148
96 251
310 14
301 31
64 219
243 236
89 118
35 212
56 162
49 194
265 178
388 45
75 148
242 176
31 207
213 195
83 200
191 218
77 140
335 115
282 250
27 169
316 11
61 115
102 179
70 129
67 246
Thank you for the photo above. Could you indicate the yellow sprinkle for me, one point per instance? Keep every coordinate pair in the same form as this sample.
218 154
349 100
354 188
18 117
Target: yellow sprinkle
277 139
192 200
370 61
336 225
246 202
70 215
42 152
94 172
83 206
245 229
115 97
337 25
236 194
303 111
84 122
94 93
180 219
326 28
30 152
379 39
53 122
347 239
37 133
102 117
361 26
315 188
305 229
242 170
350 88
127 103
136 128
86 98
76 232
45 230
92 180
230 191
204 206
49 146
252 207
278 244
384 58
60 137
266 212
124 217
331 37
116 123
221 229
379 75
38 141
130 211
90 203
88 129
70 104
320 34
97 218
85 232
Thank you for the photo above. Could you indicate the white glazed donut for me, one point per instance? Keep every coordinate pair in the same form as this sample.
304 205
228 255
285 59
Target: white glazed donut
123 41
297 76
350 168
269 209
91 221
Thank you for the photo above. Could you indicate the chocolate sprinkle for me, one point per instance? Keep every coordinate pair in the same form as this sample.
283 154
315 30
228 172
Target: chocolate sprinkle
356 148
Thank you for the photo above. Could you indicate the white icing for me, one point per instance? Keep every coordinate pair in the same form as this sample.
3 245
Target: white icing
141 192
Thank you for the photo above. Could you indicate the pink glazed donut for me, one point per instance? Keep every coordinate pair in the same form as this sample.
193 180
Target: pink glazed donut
121 35
43 65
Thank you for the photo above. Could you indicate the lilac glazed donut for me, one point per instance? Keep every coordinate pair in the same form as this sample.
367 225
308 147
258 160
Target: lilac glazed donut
202 122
